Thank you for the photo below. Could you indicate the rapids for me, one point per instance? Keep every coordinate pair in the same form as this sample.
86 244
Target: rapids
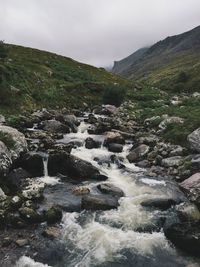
121 237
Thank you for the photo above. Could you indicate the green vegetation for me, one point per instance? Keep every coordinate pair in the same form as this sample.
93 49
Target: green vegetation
31 78
114 95
150 101
3 50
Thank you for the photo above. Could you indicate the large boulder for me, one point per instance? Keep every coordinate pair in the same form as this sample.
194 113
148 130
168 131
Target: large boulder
91 143
15 178
191 187
138 153
14 140
194 140
63 163
5 159
54 126
29 215
185 236
32 162
99 202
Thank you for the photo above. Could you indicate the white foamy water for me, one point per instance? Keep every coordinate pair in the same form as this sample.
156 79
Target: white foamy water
28 262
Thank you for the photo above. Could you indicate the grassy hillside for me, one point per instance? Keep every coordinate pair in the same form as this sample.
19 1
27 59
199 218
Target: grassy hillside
32 78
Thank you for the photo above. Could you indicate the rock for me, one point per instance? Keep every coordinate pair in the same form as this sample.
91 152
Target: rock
33 190
2 219
138 153
188 212
51 232
6 242
195 162
185 236
149 140
191 187
108 110
61 162
172 161
2 119
14 140
91 119
2 195
81 190
115 148
99 202
42 114
159 203
194 140
15 178
22 242
32 162
53 215
29 215
143 164
177 151
54 126
91 143
170 120
72 122
5 159
110 190
113 137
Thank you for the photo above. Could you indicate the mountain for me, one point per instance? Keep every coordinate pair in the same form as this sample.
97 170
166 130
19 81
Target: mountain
165 60
30 78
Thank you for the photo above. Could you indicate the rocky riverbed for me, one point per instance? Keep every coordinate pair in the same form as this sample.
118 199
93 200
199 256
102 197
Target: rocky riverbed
93 188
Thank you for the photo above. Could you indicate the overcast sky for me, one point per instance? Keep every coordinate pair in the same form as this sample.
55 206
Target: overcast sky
95 31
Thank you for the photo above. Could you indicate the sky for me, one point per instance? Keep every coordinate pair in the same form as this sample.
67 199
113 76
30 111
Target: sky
96 32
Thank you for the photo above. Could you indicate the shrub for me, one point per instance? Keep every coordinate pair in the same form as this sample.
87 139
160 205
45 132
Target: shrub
3 50
182 77
114 95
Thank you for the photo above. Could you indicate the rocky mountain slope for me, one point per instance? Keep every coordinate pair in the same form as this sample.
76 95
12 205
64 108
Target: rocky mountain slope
165 62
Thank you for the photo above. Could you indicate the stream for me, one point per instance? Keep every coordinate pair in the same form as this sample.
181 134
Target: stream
124 237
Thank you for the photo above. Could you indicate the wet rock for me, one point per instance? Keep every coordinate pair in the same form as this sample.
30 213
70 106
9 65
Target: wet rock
191 187
71 121
42 115
2 219
6 242
195 162
159 203
110 190
70 165
185 236
51 232
5 159
29 215
188 212
113 137
33 190
53 215
14 140
81 190
54 126
115 148
99 202
91 143
33 163
15 178
138 153
15 221
143 164
100 177
91 119
172 161
99 128
22 242
194 140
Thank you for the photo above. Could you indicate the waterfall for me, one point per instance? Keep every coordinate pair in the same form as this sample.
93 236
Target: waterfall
45 165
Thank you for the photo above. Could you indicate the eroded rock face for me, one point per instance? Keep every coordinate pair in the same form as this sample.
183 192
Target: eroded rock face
194 140
5 159
138 153
17 141
192 188
99 202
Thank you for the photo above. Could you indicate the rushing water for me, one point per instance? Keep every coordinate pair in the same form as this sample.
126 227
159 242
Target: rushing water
115 238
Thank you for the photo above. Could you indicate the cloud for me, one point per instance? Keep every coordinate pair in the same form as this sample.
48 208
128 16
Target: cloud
94 31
